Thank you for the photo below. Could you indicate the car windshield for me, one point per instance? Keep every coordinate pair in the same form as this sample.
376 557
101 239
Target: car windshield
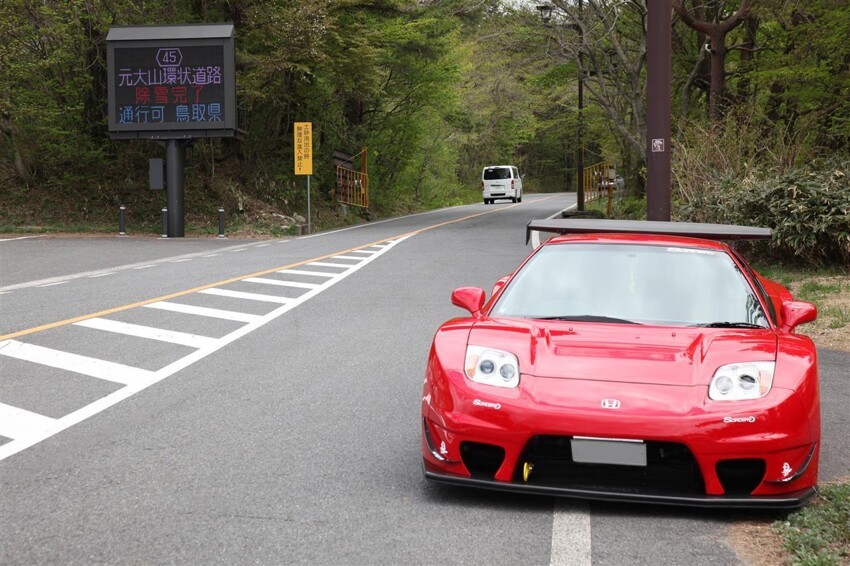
495 173
632 283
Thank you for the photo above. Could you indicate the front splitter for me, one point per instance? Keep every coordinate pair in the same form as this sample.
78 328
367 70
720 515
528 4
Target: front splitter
792 500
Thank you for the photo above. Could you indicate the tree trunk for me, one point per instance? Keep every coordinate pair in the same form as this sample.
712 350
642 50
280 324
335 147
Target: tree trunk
716 32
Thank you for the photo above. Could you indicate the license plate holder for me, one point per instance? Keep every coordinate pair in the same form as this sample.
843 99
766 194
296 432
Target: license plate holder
608 451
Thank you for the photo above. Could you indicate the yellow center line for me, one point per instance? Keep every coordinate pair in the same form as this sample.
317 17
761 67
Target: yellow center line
241 277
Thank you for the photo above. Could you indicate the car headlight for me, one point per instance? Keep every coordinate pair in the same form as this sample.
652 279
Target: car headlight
734 382
491 367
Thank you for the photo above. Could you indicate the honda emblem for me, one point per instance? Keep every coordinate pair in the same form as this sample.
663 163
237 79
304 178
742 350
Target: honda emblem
610 403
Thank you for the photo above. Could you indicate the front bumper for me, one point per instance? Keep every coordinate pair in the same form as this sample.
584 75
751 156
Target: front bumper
753 454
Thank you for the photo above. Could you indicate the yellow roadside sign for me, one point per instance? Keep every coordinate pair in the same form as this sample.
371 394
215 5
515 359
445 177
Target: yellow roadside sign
303 148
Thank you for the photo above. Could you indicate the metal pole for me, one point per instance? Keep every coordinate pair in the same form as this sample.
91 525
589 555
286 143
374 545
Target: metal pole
175 153
164 222
121 226
309 229
221 223
580 159
658 75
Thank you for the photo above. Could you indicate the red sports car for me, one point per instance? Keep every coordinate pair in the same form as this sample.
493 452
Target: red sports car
636 361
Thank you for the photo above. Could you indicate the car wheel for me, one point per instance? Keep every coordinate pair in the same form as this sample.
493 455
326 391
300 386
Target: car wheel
519 198
486 201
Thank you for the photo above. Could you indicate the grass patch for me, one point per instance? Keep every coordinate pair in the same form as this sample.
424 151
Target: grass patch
813 291
838 317
819 534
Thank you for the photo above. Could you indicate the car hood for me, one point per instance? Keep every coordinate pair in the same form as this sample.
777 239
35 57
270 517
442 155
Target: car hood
623 352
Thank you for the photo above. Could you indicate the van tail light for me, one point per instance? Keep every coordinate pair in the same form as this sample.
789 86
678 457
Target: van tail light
512 184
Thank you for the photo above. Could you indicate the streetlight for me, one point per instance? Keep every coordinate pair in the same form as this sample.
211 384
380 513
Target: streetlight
546 15
545 12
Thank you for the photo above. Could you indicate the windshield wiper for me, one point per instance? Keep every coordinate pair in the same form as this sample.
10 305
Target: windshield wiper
586 318
727 325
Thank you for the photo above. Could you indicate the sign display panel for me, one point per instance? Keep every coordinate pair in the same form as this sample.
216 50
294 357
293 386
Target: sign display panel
303 148
169 86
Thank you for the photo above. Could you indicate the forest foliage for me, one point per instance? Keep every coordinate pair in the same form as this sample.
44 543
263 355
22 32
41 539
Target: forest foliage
435 89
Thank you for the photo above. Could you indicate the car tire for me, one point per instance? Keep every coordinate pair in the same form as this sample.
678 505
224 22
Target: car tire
486 201
519 198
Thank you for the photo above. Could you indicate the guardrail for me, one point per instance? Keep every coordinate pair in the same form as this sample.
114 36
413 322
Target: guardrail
598 184
352 186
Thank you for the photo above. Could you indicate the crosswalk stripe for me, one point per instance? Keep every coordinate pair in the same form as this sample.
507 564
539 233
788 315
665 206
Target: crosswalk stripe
18 423
328 264
76 363
170 336
355 258
204 311
313 273
246 296
280 283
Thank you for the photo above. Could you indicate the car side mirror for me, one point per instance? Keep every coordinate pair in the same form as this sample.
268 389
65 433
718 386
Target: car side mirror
795 313
469 298
499 284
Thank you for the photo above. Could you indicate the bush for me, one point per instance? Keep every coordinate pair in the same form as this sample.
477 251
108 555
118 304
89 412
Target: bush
807 207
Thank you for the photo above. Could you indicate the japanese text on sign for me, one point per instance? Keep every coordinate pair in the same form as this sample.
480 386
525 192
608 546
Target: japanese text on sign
303 148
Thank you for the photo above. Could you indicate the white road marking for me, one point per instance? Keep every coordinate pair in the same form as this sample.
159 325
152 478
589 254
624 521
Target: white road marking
237 251
347 257
253 322
52 284
281 283
101 275
263 245
328 264
170 336
21 238
365 252
85 365
246 296
20 423
211 255
313 273
204 311
181 260
570 535
145 266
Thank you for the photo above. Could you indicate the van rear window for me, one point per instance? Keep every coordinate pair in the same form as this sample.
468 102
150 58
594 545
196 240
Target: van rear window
494 173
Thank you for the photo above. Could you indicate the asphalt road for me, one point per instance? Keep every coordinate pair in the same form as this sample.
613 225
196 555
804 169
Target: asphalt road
296 440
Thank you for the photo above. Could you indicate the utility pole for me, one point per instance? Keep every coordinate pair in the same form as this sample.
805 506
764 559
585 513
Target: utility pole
580 160
658 76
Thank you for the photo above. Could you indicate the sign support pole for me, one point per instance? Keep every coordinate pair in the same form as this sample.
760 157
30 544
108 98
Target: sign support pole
309 228
175 153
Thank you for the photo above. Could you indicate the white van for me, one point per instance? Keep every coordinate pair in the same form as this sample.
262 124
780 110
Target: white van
501 181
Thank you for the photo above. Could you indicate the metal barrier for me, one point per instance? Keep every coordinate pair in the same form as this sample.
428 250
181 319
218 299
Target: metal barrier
352 187
598 183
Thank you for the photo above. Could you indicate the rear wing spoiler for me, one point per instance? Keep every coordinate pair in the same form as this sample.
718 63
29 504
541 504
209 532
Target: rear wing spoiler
688 229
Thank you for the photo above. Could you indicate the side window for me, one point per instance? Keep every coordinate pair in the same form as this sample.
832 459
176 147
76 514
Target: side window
516 172
766 299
